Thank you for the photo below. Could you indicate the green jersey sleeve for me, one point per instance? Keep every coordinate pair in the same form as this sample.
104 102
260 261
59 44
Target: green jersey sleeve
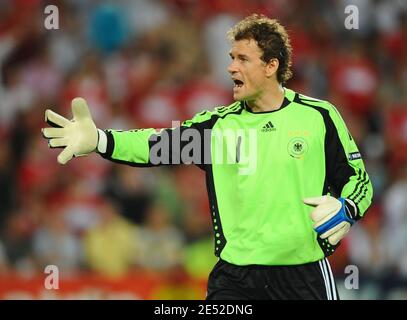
346 175
345 168
187 143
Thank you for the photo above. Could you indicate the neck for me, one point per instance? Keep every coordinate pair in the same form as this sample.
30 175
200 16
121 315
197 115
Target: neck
271 100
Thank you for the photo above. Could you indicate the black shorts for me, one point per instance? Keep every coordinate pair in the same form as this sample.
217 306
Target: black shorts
254 282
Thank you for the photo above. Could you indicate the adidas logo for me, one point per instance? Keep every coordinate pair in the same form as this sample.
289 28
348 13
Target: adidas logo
268 127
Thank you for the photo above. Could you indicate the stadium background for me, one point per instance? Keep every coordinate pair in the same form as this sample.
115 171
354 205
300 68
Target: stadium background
120 232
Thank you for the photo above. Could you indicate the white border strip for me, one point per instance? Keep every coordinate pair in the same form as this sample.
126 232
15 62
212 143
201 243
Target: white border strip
327 288
332 279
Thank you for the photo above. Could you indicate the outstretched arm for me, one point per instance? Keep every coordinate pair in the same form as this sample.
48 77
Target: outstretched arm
140 147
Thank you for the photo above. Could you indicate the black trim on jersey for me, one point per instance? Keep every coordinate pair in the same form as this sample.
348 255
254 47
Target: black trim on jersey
109 151
109 146
363 183
363 195
215 216
338 169
200 126
284 104
167 139
326 188
236 109
210 185
362 192
213 201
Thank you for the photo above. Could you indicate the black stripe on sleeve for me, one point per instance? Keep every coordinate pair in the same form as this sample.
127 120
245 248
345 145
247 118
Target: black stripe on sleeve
338 169
359 186
110 145
359 179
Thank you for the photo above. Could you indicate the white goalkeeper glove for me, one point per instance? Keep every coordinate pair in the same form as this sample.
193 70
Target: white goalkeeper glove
78 136
332 217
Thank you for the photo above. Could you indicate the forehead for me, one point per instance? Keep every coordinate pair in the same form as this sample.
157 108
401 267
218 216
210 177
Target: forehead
247 47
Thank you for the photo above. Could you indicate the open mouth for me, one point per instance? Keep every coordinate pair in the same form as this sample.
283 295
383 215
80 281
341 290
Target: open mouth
238 83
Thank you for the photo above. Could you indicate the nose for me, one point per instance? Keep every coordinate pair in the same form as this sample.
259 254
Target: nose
232 67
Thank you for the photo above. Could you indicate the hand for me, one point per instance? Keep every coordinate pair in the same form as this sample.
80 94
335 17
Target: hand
78 137
332 217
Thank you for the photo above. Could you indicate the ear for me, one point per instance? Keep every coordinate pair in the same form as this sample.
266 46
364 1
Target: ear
272 67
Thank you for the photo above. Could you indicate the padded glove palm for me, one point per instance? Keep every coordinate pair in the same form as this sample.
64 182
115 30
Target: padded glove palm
78 136
332 217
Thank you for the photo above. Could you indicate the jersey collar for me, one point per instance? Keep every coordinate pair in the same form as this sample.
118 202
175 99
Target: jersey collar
288 98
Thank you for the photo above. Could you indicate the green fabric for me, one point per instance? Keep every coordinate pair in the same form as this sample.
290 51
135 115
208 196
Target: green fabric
262 214
364 190
132 146
271 161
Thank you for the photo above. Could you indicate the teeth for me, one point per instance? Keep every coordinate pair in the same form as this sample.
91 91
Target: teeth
238 84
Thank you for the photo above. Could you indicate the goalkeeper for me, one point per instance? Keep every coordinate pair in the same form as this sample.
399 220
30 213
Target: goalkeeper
276 223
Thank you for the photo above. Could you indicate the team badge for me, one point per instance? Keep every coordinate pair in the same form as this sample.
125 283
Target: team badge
297 147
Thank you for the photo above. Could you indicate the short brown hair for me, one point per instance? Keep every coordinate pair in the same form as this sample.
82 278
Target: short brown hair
272 39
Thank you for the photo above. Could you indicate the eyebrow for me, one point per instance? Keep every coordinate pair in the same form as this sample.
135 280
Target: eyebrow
239 55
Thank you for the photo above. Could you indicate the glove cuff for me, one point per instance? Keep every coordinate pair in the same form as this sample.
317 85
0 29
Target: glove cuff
350 209
102 142
340 216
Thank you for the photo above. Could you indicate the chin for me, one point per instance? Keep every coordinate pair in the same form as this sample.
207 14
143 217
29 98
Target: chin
242 95
238 97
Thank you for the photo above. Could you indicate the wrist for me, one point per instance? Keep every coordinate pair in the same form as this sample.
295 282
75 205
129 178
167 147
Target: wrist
350 209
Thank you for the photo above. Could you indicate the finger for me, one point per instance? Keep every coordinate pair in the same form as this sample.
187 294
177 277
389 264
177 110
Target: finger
55 120
65 155
80 109
53 132
57 143
315 201
333 230
325 212
339 235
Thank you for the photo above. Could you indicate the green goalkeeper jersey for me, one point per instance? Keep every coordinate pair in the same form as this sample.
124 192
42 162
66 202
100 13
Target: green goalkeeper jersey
259 167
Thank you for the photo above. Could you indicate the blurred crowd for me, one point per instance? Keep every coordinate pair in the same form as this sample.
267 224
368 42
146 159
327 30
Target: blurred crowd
146 63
